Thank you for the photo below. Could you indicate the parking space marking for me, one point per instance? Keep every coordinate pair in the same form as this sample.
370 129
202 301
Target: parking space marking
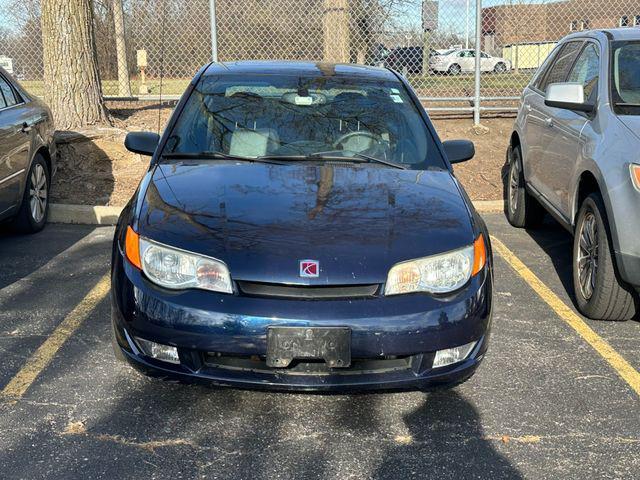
21 382
619 364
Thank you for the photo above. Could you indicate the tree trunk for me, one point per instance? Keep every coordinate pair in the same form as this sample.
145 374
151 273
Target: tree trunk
124 86
71 78
336 31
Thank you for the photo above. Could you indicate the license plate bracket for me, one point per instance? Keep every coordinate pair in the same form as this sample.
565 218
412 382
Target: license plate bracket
331 344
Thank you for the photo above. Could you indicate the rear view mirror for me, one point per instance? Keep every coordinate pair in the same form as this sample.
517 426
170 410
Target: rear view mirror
569 96
459 150
144 143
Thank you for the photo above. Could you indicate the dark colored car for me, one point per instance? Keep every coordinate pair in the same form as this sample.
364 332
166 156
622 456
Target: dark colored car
27 156
300 228
407 60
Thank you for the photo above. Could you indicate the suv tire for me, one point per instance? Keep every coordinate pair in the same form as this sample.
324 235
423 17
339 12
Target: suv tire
600 292
522 210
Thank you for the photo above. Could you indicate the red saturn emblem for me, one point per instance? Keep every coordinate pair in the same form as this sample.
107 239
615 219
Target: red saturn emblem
309 268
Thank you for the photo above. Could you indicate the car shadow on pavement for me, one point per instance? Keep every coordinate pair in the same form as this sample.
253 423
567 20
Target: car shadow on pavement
88 409
551 237
21 255
557 244
446 440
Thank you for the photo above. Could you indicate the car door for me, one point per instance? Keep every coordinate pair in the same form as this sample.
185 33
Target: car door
14 145
467 60
566 140
486 62
539 125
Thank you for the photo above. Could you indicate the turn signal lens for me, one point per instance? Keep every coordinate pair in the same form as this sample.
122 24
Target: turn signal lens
132 247
635 175
479 255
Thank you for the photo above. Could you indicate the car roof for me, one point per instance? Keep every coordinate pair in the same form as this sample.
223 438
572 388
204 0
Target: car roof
299 68
624 33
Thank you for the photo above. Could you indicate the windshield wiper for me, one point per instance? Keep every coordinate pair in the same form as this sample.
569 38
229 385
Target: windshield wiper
371 159
626 104
216 156
273 159
330 156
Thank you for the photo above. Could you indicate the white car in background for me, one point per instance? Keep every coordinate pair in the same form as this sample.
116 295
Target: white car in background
464 61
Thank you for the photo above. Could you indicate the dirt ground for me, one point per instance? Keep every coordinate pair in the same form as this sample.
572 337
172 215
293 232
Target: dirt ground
94 168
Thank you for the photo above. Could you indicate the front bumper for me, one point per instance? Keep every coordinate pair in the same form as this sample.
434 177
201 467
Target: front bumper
221 339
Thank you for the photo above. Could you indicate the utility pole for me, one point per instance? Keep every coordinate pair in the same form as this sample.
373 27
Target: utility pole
124 85
476 104
214 31
466 36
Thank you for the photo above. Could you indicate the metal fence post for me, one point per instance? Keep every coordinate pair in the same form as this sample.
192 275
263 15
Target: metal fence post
214 31
476 103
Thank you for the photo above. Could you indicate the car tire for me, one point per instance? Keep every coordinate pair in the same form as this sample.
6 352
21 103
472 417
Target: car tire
600 292
454 69
522 210
34 208
500 68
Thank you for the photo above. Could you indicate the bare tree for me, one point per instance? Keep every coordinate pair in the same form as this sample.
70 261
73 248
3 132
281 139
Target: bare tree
71 78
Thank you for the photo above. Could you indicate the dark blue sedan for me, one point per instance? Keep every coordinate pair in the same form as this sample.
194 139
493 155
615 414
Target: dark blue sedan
300 228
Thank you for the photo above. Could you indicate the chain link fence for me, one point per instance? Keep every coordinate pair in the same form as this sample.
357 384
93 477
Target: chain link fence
433 42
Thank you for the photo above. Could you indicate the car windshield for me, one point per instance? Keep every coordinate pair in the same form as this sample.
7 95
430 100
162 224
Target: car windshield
625 81
303 118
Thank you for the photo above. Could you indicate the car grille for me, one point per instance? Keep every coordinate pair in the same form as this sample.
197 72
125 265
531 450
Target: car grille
258 289
257 363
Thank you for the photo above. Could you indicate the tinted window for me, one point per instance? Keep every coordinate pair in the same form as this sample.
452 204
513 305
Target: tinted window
292 116
7 94
585 71
625 77
560 69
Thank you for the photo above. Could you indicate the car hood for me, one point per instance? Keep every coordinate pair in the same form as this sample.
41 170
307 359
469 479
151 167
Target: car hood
356 221
632 122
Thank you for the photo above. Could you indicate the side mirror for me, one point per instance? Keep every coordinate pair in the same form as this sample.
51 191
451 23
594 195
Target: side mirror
569 96
144 143
459 150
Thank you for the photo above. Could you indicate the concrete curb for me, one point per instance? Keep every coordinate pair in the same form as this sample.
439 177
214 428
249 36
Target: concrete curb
83 214
489 206
102 215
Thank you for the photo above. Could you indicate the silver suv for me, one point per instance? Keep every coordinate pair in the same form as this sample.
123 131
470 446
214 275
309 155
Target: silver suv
575 151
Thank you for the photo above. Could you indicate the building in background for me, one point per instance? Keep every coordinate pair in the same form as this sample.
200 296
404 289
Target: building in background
525 33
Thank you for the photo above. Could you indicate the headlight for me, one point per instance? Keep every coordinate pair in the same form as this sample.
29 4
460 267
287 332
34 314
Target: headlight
176 269
439 273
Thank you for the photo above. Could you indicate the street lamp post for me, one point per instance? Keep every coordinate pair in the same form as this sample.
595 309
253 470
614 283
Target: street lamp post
466 36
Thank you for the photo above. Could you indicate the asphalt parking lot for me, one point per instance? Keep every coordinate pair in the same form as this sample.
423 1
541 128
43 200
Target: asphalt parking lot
557 396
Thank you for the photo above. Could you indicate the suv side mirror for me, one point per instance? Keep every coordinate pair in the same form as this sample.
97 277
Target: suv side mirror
569 96
144 143
459 150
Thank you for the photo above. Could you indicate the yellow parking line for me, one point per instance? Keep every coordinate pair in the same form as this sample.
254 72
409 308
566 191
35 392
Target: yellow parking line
619 364
19 384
